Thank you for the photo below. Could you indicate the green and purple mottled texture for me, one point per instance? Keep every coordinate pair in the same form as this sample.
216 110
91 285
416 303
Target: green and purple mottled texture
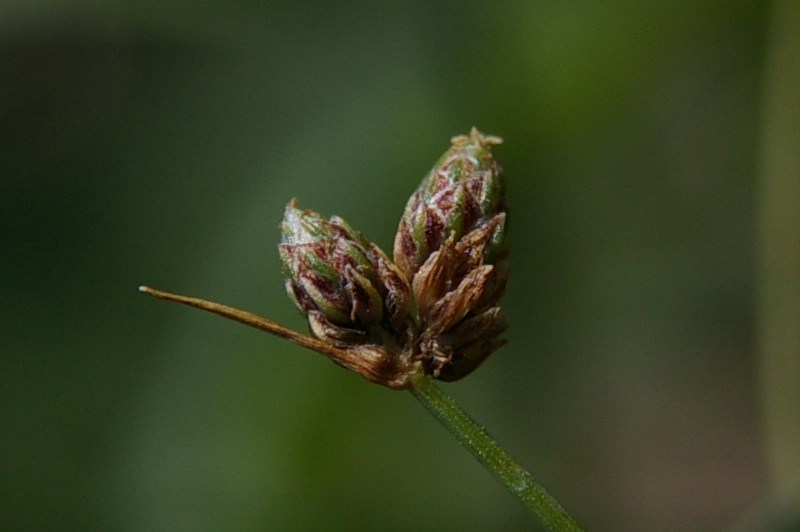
342 282
451 244
449 255
462 190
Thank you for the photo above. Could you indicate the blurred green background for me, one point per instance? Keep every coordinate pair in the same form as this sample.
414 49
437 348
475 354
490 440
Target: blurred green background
157 142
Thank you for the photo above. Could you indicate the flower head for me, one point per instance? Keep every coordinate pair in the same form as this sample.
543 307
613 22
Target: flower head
449 256
462 190
345 285
450 242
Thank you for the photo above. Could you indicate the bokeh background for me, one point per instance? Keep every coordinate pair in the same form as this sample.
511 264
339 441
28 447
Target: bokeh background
157 142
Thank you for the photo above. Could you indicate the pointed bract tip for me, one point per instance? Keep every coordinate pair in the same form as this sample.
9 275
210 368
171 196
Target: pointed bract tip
477 138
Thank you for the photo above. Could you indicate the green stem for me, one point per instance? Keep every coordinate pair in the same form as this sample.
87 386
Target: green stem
493 457
464 428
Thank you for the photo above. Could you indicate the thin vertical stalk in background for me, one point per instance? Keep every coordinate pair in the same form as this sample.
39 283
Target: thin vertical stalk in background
779 250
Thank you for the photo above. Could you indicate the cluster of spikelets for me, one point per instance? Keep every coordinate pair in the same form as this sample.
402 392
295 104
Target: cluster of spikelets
433 308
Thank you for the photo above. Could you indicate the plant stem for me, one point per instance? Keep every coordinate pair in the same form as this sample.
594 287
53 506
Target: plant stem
464 428
493 457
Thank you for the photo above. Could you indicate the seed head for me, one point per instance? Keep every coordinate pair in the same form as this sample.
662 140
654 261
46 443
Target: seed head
345 285
449 255
450 243
462 190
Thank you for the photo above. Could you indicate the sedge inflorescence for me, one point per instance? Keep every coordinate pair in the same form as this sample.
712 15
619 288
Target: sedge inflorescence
432 307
